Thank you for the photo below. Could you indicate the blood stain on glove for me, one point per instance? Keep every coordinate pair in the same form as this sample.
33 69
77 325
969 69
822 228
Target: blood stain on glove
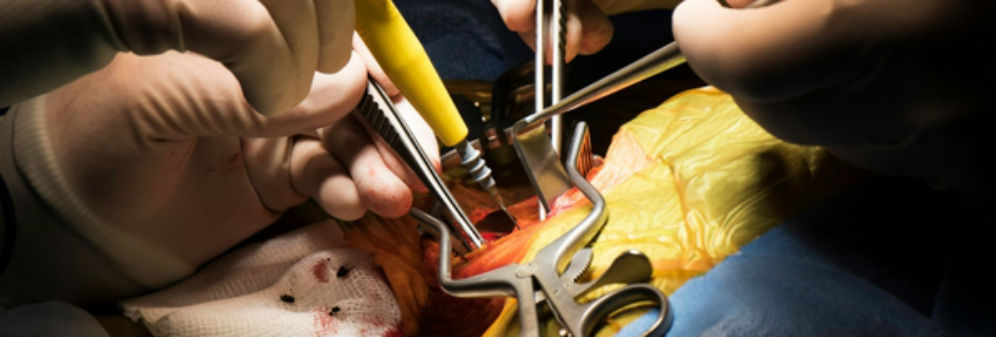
388 199
321 271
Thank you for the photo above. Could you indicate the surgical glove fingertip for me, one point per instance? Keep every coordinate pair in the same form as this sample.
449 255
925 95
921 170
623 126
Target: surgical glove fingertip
596 29
384 194
339 197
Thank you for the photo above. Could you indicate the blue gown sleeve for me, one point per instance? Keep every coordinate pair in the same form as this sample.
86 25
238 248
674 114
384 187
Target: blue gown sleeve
867 263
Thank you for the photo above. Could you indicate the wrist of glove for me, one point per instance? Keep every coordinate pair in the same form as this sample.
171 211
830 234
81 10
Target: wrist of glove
56 234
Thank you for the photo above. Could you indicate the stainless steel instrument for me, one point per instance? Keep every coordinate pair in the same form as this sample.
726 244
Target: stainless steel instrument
378 111
538 155
537 149
552 277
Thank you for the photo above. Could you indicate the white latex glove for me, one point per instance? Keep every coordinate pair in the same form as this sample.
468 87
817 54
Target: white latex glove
165 150
588 27
186 112
272 46
893 86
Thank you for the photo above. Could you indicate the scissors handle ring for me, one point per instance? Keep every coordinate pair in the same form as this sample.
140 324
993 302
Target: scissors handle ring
598 310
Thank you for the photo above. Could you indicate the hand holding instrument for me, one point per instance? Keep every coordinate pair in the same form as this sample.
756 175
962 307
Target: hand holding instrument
530 138
380 114
551 278
405 62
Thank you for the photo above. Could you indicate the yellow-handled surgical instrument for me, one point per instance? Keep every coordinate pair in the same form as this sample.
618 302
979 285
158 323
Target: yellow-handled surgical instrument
404 60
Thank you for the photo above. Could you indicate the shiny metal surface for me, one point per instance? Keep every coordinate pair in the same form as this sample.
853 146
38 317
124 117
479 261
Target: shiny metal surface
535 148
542 164
658 61
551 277
473 160
539 59
558 41
378 111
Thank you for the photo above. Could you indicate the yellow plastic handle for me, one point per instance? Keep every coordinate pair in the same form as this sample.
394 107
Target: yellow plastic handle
402 57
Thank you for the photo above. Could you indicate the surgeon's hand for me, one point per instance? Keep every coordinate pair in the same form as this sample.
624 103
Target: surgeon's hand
588 27
893 86
273 47
167 149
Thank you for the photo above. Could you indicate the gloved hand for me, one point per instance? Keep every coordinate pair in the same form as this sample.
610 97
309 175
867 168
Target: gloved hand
272 46
166 150
588 27
892 86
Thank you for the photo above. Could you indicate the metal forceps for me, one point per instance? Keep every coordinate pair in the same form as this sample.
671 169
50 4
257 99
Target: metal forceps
552 277
380 114
532 142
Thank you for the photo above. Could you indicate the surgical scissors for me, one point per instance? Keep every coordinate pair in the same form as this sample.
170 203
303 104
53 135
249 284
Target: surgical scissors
552 276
